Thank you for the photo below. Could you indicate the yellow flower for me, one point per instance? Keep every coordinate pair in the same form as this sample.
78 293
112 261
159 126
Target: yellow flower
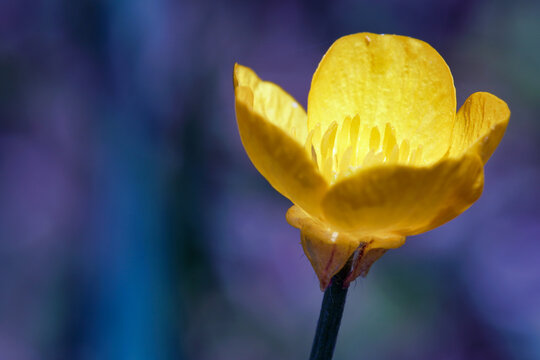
381 153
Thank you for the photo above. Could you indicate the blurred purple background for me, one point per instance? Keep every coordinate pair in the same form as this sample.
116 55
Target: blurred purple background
133 226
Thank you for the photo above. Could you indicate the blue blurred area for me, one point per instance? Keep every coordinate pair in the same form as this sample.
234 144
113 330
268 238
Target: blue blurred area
133 226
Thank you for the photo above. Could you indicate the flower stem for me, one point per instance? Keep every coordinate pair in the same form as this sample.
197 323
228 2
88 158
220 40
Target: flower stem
330 316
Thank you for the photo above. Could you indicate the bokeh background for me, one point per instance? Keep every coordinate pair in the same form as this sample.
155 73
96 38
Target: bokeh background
133 226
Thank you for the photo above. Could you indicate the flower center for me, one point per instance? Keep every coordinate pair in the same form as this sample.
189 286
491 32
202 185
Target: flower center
345 147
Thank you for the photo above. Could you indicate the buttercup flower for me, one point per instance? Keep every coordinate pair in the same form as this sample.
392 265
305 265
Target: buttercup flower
381 153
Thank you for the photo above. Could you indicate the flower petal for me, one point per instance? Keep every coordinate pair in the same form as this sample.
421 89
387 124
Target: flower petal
278 156
273 103
386 79
480 125
404 200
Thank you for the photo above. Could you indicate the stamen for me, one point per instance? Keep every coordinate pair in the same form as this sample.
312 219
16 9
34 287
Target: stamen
419 155
404 151
314 156
416 156
343 137
374 139
328 140
362 146
345 160
369 158
389 140
345 147
354 128
354 150
373 158
316 141
394 155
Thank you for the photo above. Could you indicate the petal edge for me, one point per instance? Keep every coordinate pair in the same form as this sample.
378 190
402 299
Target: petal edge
480 125
405 200
277 155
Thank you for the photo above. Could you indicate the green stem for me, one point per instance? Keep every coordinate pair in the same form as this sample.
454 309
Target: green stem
330 317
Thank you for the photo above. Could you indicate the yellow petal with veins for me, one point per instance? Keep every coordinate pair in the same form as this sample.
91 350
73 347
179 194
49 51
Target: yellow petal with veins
405 200
387 79
278 155
480 125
